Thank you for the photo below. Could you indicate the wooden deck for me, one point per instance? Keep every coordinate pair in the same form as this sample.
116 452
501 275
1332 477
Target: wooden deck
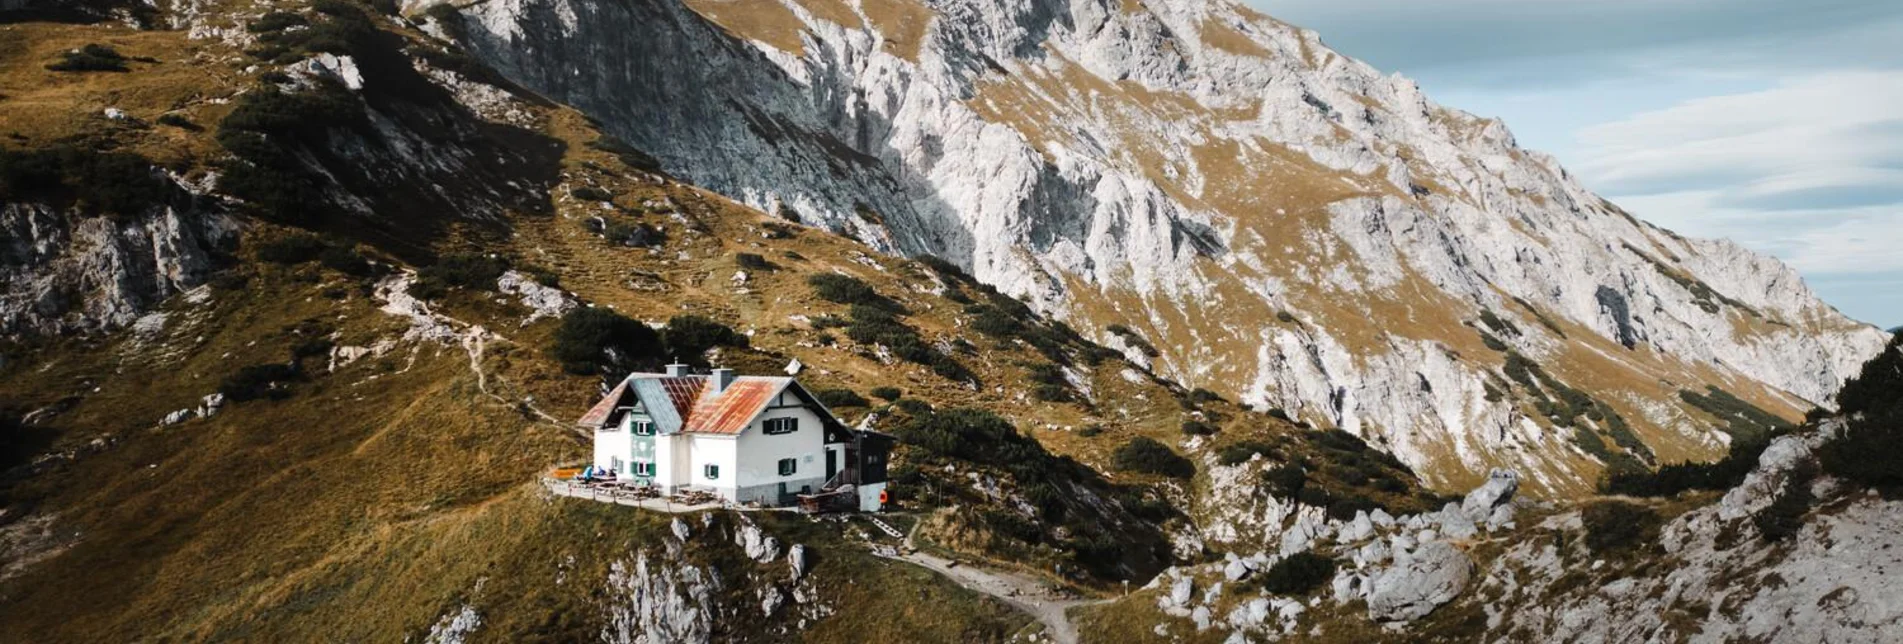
631 497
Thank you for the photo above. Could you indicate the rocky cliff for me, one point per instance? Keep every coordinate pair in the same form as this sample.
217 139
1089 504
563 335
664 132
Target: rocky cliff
1279 221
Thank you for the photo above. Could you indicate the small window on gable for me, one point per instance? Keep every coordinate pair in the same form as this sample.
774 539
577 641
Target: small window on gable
774 426
788 466
643 428
712 472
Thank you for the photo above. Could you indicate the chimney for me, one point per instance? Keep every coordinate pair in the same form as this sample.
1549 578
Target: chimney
722 378
676 370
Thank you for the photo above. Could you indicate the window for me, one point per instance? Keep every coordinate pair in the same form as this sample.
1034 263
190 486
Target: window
643 428
780 425
643 468
712 472
788 466
614 463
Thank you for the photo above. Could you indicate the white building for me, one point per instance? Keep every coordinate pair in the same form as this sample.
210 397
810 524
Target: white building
749 439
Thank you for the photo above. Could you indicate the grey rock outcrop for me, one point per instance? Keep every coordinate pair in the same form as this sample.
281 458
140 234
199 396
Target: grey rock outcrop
1432 575
62 272
1484 503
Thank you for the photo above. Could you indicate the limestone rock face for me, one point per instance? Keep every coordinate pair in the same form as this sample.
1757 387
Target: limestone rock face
1169 163
660 602
1432 575
62 272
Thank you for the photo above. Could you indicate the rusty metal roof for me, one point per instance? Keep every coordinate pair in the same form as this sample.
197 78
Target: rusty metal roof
729 411
598 415
694 405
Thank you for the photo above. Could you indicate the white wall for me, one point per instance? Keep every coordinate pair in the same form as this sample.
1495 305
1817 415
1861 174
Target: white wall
610 444
760 453
711 449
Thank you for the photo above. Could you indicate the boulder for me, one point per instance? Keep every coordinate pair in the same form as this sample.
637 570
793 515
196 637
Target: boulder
1235 570
1434 575
1485 503
1381 518
759 545
1766 481
1180 591
1455 524
796 560
1360 528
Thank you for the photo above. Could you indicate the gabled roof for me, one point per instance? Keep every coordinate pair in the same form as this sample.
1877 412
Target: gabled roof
729 411
690 404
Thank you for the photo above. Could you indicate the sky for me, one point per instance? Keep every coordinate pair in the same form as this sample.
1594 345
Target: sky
1776 123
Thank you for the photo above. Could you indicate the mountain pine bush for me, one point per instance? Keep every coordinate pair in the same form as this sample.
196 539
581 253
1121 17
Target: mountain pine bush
1298 574
1145 455
1868 452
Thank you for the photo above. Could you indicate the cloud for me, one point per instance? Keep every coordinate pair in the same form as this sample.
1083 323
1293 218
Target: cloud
1832 140
1522 43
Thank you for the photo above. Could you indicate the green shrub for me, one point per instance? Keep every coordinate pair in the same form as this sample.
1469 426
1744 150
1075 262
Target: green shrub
846 289
475 271
1285 481
631 233
263 132
295 248
1345 508
596 340
1743 420
1497 325
1091 431
346 260
1298 574
1784 517
178 121
1618 526
887 393
1052 394
1145 455
1493 342
260 381
1672 479
111 183
627 154
840 398
974 435
753 262
1867 452
993 322
1239 453
1340 440
689 337
90 58
589 193
1198 428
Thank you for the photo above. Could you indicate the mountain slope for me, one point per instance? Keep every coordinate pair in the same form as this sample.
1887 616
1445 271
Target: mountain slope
330 420
1281 222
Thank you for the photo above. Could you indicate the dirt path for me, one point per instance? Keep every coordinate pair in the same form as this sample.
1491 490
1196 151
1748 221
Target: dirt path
1034 597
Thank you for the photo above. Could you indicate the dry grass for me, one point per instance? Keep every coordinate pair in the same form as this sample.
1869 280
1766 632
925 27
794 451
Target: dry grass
902 23
41 107
1227 38
763 21
838 12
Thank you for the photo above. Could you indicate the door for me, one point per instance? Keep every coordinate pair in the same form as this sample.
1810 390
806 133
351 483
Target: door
832 463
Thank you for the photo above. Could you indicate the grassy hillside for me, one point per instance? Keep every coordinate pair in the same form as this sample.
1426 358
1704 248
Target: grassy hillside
383 473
